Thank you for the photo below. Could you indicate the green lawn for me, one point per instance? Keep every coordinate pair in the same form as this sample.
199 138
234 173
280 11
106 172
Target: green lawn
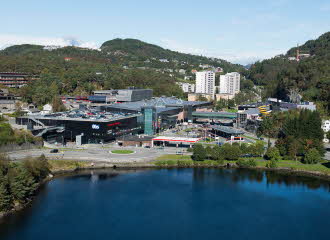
256 139
122 151
231 110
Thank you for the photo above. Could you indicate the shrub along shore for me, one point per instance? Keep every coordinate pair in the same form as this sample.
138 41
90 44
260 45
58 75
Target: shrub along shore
19 181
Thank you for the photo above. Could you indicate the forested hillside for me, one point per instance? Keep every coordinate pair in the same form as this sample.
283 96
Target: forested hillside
119 64
310 76
132 50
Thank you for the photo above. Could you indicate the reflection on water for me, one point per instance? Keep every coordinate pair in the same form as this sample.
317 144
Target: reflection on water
259 176
175 204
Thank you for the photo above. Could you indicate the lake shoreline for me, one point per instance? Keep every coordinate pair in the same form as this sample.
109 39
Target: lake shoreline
148 165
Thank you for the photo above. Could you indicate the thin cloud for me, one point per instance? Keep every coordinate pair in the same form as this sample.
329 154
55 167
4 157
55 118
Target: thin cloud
241 57
325 8
7 40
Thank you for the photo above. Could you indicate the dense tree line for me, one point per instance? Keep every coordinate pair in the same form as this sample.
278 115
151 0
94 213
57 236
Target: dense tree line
297 132
19 181
227 151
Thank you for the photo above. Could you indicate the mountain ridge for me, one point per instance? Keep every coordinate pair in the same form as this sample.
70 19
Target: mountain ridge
124 49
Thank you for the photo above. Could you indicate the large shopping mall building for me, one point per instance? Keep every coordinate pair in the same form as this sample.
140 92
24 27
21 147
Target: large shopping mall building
107 122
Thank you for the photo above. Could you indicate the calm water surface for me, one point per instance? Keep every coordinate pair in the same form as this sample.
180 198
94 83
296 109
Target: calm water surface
175 204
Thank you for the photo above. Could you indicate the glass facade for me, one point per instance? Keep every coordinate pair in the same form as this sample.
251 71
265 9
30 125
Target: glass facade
148 114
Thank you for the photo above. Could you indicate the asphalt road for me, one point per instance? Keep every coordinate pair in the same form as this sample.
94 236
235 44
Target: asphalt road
97 154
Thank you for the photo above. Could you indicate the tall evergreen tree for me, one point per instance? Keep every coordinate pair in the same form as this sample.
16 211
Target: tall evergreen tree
22 184
5 196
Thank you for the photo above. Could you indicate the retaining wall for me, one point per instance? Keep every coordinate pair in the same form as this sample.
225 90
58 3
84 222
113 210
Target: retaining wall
17 147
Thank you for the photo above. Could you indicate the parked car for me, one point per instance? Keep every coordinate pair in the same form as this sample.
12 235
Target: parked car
54 151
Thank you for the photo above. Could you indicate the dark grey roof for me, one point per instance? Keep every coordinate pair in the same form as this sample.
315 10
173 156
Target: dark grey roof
5 101
252 111
160 103
228 130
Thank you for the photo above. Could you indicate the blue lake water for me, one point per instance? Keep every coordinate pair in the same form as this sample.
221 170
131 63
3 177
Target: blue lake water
175 204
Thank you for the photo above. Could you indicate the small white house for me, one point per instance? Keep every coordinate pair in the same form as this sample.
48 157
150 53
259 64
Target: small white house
182 71
46 109
164 60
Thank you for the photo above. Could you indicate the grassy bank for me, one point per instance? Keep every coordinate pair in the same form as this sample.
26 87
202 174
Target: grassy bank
187 163
183 160
67 165
320 167
173 157
122 151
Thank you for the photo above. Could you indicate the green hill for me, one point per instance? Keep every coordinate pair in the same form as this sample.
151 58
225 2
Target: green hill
133 48
310 76
318 47
119 63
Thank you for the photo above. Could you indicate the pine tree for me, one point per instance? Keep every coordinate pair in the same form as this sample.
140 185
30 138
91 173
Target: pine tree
5 197
199 153
4 164
22 184
293 149
39 167
58 105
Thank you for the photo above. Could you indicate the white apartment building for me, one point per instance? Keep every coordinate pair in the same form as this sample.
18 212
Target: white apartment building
230 83
205 82
187 87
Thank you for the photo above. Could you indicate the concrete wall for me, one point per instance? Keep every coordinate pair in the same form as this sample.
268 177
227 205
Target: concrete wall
225 96
195 96
7 105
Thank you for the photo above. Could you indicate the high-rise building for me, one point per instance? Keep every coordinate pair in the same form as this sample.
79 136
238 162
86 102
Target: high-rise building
230 83
205 82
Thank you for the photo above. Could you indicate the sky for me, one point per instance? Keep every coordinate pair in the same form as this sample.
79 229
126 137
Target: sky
235 30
